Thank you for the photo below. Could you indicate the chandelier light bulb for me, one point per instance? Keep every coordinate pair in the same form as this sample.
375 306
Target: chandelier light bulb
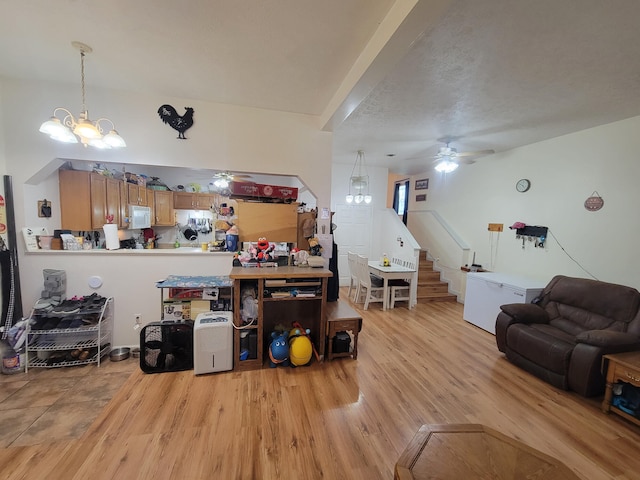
367 198
359 198
349 198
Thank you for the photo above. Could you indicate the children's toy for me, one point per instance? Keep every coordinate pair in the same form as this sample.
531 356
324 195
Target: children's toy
265 250
300 256
300 347
315 249
279 350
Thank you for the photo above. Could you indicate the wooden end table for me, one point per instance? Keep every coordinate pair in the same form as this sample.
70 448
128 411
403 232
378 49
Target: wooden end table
620 367
460 451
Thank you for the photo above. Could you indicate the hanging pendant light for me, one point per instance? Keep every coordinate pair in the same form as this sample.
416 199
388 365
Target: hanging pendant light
359 182
70 130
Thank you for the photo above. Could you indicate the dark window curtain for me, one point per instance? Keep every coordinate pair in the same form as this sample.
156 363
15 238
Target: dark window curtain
395 198
406 202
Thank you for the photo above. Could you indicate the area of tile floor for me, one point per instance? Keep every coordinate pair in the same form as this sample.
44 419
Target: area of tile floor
51 404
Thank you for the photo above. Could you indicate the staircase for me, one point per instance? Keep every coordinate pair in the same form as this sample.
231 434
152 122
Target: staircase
430 288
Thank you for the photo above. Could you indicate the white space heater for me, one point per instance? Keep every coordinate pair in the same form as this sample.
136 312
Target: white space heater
213 342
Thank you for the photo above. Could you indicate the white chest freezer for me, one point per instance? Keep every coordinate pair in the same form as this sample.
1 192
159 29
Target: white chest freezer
486 291
213 342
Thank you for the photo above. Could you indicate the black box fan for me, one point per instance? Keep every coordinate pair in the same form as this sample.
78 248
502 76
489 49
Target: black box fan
166 347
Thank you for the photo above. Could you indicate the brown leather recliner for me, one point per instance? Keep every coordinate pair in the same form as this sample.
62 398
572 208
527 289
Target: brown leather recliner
562 336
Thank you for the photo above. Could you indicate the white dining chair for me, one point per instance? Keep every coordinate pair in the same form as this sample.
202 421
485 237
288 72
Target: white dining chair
354 279
400 289
370 285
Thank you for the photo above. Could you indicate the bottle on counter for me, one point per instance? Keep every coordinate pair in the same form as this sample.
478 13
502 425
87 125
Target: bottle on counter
177 244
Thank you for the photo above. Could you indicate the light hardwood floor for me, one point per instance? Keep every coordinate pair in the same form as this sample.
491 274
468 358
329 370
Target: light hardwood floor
342 419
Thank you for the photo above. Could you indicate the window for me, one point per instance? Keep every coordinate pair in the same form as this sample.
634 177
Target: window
400 196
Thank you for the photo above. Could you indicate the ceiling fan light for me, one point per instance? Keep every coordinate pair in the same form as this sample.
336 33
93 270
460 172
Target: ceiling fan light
446 166
221 183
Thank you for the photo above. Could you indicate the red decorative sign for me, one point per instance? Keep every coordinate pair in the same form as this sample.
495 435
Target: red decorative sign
258 190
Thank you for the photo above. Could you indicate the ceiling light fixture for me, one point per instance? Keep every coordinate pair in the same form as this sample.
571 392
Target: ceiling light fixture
221 183
359 182
446 165
69 129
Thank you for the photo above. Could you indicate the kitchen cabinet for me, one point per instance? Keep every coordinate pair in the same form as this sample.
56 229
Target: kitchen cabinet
75 200
136 195
163 213
105 200
86 199
193 201
290 293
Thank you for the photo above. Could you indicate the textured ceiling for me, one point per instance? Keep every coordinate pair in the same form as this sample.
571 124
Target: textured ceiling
495 74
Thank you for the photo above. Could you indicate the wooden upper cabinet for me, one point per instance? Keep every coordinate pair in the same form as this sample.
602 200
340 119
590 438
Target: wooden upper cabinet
105 200
183 201
193 201
136 194
75 200
86 199
163 208
205 201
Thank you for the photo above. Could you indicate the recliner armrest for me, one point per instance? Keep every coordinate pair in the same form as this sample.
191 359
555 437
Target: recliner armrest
608 338
525 313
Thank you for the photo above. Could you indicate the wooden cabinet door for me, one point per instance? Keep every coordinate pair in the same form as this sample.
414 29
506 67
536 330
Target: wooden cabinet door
113 200
105 200
75 200
183 200
98 201
151 203
124 205
204 201
133 194
164 208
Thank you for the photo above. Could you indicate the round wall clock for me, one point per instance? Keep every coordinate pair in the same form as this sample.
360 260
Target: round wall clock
523 185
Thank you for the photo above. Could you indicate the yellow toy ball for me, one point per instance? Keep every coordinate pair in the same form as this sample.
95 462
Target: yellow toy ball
300 351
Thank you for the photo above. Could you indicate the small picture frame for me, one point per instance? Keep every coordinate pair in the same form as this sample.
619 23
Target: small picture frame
421 198
422 184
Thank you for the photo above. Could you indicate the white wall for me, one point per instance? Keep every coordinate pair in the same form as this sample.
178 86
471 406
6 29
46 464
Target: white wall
564 171
223 137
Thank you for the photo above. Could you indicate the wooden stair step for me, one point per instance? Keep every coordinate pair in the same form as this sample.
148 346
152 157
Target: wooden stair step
437 297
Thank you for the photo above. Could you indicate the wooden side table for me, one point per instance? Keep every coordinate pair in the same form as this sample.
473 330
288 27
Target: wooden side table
341 316
620 367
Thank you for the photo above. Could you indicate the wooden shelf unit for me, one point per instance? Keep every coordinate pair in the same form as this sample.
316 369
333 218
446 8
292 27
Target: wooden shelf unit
310 312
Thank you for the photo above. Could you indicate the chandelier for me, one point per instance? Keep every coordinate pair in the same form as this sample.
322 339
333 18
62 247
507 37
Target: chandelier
359 182
68 129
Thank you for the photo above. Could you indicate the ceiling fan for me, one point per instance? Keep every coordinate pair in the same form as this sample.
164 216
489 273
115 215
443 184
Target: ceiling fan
448 158
222 179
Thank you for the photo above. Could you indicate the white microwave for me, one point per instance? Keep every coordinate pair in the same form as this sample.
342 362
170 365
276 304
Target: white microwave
139 217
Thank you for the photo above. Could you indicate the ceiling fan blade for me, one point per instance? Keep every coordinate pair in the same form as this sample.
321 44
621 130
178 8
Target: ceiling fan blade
475 154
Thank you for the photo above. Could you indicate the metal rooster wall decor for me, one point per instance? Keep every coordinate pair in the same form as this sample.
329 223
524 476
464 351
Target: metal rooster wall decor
169 115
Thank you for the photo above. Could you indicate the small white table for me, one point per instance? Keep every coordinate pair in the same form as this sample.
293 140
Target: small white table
394 272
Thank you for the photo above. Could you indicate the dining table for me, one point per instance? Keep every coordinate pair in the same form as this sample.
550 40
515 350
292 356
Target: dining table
393 272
